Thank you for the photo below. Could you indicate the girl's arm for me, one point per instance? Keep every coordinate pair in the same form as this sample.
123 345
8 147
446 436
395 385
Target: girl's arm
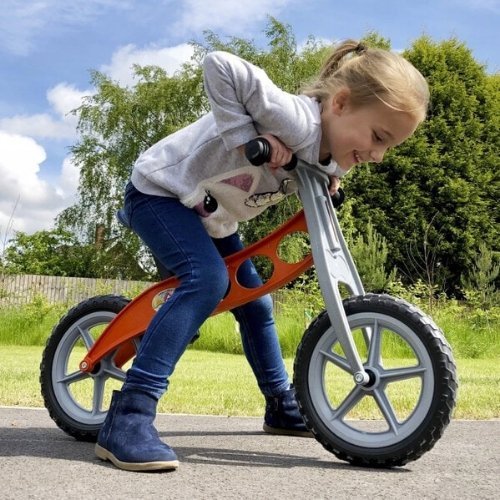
246 103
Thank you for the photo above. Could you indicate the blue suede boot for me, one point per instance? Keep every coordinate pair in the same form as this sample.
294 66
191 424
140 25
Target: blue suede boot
128 438
283 415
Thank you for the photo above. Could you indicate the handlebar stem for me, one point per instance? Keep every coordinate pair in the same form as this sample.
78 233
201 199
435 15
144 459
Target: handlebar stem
332 258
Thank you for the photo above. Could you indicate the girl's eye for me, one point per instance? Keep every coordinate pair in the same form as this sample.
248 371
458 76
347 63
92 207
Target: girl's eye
377 137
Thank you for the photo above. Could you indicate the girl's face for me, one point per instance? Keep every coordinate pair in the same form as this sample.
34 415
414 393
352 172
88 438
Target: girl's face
353 135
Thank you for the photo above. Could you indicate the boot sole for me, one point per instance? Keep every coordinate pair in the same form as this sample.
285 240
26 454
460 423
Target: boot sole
104 454
286 432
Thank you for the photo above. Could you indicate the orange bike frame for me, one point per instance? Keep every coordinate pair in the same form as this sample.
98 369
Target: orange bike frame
133 320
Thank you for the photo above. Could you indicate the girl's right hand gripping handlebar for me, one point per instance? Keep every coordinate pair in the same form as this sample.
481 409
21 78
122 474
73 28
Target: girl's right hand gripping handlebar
258 152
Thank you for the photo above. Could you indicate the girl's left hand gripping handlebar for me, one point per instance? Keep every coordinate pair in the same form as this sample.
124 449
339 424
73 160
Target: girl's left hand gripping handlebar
258 152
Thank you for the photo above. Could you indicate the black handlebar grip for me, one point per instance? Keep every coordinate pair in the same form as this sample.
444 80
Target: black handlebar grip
258 152
291 165
338 198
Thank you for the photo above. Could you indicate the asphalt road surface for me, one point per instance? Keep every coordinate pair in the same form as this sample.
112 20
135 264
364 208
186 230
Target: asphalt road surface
224 457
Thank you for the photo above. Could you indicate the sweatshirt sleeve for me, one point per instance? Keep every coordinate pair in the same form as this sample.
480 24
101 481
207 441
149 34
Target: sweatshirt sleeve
332 169
246 103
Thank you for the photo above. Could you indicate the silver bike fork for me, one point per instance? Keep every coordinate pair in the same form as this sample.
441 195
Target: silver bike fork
332 259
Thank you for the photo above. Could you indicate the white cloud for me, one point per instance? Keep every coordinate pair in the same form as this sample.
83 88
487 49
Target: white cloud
23 23
60 123
122 61
199 15
65 97
32 201
69 179
39 125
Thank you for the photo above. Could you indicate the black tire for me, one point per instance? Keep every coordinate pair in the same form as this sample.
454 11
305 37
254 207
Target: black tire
64 399
402 439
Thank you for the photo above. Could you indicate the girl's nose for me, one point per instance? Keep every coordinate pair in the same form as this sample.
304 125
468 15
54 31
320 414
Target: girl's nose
377 155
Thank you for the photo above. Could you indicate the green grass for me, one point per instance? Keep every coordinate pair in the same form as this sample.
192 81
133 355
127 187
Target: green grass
471 333
221 334
214 378
29 325
223 384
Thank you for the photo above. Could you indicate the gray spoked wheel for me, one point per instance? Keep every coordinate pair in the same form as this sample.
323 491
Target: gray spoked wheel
78 401
408 403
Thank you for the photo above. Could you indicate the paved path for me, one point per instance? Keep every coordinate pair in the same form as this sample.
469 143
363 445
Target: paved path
231 458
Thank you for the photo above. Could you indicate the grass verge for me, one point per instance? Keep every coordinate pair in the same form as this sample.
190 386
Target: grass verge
471 333
222 384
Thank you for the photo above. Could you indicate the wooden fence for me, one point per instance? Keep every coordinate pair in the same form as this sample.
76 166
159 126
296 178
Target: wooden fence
16 290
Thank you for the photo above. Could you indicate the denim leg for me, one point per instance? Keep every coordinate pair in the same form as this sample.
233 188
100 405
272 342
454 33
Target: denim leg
257 327
178 239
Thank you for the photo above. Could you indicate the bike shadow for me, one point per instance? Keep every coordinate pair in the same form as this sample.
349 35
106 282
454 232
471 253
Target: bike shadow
49 443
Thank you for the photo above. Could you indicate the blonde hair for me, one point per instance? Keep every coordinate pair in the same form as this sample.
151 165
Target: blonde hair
371 74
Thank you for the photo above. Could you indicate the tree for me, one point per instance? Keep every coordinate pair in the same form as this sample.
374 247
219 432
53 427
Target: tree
54 252
479 281
446 173
59 253
370 254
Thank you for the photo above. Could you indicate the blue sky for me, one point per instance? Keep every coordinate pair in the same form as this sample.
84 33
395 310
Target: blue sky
48 47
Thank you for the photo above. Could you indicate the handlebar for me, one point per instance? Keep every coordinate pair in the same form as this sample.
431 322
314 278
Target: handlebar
258 152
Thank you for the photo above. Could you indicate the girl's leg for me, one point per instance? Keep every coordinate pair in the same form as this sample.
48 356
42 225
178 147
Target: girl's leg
178 239
262 349
257 326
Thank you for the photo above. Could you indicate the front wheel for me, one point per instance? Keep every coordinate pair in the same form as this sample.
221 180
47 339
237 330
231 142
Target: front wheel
77 401
409 400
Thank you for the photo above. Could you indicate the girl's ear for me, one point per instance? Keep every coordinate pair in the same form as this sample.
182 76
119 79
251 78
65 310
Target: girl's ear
340 101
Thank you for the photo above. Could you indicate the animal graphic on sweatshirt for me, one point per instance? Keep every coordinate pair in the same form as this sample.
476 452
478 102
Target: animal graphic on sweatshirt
224 200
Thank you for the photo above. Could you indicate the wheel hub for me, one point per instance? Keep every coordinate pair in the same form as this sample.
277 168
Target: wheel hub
96 369
374 379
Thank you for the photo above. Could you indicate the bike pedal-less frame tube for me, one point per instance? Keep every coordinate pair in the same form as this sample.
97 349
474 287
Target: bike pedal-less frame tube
133 320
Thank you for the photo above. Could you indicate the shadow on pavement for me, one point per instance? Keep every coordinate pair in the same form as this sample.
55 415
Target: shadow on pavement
54 444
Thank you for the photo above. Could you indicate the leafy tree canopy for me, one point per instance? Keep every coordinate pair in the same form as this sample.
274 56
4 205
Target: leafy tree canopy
53 252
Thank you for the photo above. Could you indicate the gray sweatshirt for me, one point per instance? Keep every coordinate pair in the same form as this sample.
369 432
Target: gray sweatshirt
200 164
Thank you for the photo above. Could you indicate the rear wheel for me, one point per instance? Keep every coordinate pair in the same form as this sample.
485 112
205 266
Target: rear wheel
77 401
408 403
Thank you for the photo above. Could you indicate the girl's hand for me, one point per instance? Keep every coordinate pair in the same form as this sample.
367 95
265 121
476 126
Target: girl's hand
334 184
280 153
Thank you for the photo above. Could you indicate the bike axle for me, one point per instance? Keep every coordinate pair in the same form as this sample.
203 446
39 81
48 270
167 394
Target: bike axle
361 378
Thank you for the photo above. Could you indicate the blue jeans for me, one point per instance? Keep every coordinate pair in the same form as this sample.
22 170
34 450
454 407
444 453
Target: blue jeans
178 239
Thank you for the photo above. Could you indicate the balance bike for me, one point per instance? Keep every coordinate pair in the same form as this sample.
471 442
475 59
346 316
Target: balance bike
361 404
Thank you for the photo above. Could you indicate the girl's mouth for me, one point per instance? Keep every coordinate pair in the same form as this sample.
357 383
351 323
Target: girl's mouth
357 158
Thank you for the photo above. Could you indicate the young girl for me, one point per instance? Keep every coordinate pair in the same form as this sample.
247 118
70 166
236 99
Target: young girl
188 192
